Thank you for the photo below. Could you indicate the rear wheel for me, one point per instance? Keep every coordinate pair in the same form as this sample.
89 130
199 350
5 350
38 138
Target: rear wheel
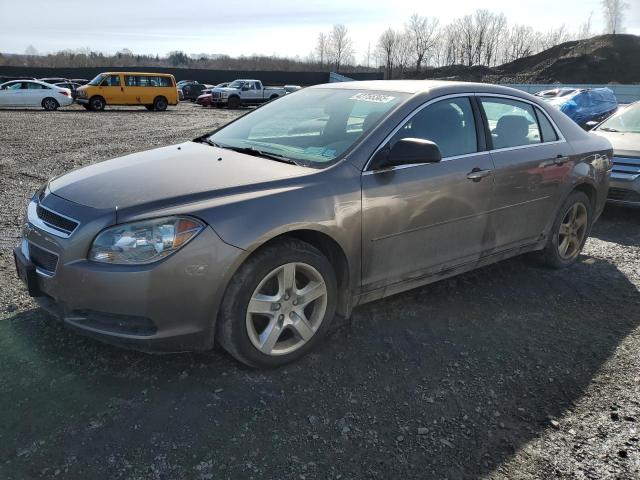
97 103
50 104
233 103
278 305
569 232
160 104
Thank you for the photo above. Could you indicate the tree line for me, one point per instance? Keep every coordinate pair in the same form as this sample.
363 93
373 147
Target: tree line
480 38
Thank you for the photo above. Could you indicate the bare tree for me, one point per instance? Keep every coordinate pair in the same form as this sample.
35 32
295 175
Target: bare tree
613 11
422 33
340 46
387 45
321 47
30 51
554 37
585 29
521 42
404 52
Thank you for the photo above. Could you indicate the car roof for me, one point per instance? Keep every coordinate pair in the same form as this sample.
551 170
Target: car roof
139 73
423 86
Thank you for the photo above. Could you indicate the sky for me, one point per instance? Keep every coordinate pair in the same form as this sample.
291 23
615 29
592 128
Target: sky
281 27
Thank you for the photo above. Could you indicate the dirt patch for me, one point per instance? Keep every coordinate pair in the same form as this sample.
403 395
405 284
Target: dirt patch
509 372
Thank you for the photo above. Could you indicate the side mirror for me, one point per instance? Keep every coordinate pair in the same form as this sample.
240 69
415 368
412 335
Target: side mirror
590 124
405 152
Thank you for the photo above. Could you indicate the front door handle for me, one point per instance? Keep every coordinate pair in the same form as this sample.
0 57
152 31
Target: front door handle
478 174
561 160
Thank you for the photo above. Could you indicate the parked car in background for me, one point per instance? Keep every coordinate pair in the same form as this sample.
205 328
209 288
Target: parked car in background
191 91
72 86
155 91
623 131
245 92
205 98
555 92
81 81
586 107
34 93
53 80
181 83
253 236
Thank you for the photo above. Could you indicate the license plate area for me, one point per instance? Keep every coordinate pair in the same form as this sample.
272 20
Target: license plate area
26 272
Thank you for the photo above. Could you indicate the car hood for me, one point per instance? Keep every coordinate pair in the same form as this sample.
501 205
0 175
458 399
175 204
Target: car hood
170 176
625 144
225 89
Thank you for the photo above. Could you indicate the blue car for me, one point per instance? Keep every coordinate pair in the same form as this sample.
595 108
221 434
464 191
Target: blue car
587 107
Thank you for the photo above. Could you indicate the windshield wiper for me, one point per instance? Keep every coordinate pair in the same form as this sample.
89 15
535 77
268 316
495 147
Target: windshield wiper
249 151
609 129
208 141
261 153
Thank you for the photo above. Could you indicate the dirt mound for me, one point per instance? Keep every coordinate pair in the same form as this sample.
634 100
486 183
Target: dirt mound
601 59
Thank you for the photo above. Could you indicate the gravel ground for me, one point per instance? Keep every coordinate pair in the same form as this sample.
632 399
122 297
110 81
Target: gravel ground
509 372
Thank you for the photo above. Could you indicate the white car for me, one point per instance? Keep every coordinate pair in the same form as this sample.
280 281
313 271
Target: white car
33 93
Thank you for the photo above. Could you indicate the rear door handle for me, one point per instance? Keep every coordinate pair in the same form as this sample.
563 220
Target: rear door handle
477 174
561 160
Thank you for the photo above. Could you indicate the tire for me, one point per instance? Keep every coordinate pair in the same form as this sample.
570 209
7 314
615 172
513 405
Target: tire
97 103
50 104
298 327
568 233
86 107
160 104
233 103
273 97
149 107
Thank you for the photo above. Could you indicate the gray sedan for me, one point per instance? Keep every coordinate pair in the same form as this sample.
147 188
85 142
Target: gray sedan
256 236
623 131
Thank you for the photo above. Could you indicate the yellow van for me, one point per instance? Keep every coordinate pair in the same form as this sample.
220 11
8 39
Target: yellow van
153 90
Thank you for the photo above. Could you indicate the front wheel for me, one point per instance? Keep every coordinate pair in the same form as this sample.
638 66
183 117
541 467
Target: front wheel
97 103
50 104
278 305
569 232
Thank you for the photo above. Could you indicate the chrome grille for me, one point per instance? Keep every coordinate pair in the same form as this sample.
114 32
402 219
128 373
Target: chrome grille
43 259
626 167
55 220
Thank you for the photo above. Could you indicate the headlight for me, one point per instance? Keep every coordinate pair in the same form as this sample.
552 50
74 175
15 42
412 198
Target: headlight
224 94
143 242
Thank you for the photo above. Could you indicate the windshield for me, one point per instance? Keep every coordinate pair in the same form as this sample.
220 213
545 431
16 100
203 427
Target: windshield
313 127
627 121
96 81
236 84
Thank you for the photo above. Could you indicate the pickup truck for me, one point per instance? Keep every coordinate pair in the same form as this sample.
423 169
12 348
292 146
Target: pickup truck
244 92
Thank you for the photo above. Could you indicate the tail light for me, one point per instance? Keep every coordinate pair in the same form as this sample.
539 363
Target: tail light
64 92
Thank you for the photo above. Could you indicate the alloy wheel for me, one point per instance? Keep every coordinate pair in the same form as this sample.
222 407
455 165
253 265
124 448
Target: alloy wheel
572 232
286 309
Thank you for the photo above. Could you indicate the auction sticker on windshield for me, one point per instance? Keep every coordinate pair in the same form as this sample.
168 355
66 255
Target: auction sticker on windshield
372 97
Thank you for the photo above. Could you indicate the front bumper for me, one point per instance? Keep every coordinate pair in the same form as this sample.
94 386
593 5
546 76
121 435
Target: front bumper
624 186
170 305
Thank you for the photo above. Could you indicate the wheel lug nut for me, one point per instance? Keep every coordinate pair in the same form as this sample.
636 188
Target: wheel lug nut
281 317
277 306
295 302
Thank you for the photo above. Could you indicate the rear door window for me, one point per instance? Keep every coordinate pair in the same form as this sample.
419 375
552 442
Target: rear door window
512 123
546 129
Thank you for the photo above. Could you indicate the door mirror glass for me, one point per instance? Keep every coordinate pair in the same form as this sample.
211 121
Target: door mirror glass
407 151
